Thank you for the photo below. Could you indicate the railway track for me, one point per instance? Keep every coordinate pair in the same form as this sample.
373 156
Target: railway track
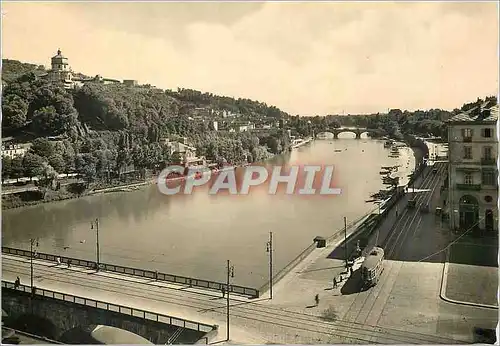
251 315
364 303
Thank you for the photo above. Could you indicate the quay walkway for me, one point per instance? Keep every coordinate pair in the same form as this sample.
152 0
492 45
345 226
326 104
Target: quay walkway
134 272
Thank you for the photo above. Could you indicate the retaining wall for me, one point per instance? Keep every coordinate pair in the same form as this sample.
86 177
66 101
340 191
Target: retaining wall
54 313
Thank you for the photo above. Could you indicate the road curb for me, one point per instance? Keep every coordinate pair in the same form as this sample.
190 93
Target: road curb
442 291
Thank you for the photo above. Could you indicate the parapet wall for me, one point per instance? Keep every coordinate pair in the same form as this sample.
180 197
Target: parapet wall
54 316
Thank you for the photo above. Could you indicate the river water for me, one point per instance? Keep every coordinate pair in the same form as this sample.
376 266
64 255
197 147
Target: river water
194 235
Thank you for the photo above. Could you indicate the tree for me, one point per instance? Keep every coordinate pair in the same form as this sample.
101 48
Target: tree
42 147
33 165
17 168
6 168
14 112
48 176
57 162
86 166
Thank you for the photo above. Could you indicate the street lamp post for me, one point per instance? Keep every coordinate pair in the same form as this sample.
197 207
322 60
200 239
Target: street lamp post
96 225
345 240
230 273
270 251
33 243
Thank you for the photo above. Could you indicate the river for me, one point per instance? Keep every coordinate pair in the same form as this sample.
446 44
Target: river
194 235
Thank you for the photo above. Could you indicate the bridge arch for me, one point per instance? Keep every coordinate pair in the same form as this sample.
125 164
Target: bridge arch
338 130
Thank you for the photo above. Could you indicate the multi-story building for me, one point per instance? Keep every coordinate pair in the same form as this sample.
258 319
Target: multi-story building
472 170
14 150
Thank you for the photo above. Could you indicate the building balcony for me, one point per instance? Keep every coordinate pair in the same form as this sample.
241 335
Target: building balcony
488 162
467 139
469 187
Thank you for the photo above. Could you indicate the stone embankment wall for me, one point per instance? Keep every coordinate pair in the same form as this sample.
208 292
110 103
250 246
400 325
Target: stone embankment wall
53 317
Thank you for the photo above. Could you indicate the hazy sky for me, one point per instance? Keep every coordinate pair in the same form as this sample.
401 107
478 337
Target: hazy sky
305 58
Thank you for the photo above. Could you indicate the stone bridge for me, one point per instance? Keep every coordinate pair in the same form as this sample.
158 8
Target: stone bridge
358 131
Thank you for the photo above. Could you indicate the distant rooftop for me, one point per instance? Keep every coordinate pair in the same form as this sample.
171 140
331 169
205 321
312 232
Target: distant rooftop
482 113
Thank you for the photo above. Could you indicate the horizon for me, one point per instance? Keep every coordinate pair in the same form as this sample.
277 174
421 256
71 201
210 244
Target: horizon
195 40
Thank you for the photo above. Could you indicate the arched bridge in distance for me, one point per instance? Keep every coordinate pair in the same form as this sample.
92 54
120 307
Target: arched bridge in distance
358 131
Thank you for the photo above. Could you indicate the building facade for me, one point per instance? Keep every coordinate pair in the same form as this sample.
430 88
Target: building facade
61 71
472 170
14 150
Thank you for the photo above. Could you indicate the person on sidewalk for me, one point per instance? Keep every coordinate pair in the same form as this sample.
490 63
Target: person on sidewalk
17 283
316 299
223 290
334 282
396 210
58 260
350 271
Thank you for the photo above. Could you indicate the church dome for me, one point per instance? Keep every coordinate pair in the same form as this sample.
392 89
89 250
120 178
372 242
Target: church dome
59 58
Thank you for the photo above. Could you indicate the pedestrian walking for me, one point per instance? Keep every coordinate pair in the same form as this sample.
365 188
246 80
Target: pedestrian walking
58 260
334 282
350 271
223 290
17 283
316 299
69 263
156 275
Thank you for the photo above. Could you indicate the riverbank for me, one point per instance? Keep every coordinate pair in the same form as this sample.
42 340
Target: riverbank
16 201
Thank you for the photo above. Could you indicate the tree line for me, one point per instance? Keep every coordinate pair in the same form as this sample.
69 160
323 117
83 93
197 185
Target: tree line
420 122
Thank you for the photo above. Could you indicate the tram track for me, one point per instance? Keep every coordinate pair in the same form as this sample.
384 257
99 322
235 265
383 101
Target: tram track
342 330
357 311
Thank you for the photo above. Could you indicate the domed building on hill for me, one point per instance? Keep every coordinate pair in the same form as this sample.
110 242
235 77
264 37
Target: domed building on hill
60 71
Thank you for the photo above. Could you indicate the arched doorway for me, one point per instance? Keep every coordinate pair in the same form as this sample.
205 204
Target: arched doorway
468 208
488 220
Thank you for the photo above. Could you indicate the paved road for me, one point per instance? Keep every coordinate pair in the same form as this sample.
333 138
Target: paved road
408 295
251 321
408 292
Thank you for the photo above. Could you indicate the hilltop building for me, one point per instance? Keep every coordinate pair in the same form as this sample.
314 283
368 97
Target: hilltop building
472 170
60 71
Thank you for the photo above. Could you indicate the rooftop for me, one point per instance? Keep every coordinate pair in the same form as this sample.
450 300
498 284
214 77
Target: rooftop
482 113
59 55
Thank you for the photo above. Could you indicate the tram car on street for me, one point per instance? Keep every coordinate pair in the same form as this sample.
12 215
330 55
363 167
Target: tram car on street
372 267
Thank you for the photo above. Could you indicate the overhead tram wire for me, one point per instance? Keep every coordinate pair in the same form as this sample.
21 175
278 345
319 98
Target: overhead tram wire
259 311
453 242
427 180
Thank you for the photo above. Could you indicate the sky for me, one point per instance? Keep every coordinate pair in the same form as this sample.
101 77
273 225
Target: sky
305 58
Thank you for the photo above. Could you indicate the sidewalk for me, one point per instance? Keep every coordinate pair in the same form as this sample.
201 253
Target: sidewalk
470 275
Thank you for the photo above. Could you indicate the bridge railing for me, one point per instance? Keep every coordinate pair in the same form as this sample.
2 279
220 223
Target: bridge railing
146 315
143 273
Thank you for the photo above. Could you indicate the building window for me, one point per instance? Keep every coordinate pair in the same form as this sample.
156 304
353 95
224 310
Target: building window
487 153
468 153
489 178
468 179
487 133
467 134
488 199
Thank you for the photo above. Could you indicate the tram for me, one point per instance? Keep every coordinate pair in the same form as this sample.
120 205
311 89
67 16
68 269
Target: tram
372 267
